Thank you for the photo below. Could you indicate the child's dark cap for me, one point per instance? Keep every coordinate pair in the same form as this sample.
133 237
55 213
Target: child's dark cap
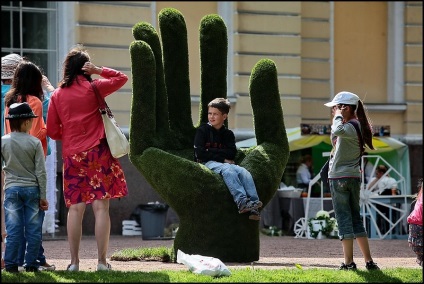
20 110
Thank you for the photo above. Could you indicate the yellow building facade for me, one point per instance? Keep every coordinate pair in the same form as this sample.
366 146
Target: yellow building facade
373 49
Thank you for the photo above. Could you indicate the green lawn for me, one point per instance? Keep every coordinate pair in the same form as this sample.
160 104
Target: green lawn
246 275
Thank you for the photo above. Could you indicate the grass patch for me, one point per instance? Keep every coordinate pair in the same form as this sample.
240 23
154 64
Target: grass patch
245 275
164 254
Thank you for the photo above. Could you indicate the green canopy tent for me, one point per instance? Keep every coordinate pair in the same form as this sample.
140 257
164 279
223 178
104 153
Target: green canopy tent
391 150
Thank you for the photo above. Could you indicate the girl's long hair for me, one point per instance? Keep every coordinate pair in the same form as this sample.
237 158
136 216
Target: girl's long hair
26 81
72 65
365 122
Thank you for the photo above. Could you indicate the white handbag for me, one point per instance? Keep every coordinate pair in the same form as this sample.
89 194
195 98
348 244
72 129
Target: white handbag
118 143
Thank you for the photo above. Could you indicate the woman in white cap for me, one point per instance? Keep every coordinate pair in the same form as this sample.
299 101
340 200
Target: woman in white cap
8 67
344 173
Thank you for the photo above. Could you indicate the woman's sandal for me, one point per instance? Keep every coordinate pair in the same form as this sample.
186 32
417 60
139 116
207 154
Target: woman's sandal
72 267
102 267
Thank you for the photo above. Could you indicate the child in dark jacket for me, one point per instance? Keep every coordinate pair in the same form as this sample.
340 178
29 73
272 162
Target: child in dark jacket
215 147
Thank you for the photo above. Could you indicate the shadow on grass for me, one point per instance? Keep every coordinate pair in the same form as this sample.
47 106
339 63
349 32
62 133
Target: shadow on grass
85 277
371 275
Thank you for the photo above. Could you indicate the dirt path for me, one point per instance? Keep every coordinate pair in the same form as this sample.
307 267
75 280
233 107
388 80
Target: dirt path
275 252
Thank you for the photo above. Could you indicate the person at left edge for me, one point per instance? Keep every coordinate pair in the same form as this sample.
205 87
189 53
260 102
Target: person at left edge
24 189
27 86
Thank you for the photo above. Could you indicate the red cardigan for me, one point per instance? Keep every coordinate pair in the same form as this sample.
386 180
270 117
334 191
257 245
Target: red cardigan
73 115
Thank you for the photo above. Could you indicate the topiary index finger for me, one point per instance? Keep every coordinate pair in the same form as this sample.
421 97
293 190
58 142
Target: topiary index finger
266 104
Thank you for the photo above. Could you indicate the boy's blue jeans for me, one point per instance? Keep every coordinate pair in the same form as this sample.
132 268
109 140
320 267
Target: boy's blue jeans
41 258
345 196
238 180
21 207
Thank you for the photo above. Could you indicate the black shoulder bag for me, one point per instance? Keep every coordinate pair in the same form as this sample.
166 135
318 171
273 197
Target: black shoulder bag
324 174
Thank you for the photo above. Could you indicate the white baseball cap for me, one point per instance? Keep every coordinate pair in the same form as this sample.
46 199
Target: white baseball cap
344 98
9 63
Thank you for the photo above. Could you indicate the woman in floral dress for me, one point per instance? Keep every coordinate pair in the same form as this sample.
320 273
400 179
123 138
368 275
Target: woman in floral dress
90 174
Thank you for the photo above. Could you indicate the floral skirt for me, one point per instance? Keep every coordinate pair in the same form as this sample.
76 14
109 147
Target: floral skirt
92 174
415 240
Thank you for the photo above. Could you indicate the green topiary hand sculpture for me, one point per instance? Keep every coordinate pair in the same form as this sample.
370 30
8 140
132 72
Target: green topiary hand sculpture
162 135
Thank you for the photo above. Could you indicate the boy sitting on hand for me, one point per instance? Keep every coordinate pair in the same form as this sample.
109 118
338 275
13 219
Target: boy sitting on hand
215 147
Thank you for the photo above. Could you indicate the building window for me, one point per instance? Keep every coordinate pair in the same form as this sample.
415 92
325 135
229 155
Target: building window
29 28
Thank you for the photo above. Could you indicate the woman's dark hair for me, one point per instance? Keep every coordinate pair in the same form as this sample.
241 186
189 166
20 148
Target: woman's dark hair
420 188
26 81
72 65
365 123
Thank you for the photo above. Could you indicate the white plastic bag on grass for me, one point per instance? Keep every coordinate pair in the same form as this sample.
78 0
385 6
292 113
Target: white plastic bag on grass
204 265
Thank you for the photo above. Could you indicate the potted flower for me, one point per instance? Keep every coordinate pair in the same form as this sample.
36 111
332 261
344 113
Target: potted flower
335 232
321 226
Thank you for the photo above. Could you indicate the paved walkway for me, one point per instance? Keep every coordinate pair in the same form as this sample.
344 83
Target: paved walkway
276 252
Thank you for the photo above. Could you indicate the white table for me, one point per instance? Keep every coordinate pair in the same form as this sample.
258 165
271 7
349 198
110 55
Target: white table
369 212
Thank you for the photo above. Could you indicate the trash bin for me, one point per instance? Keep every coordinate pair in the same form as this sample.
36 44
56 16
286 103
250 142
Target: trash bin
153 220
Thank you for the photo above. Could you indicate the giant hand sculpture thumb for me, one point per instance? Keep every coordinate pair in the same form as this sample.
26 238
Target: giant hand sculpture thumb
162 134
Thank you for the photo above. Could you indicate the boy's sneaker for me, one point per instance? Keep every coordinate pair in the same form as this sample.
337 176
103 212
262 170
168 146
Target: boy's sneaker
371 265
255 215
257 204
344 266
31 269
249 206
243 206
13 269
47 267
